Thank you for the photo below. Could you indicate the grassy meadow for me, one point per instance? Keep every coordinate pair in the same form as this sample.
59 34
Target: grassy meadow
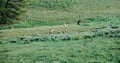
95 40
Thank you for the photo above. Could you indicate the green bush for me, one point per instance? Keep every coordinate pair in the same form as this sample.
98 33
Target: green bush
108 32
46 38
10 10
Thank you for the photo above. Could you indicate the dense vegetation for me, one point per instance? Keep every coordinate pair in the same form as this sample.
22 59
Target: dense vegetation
95 40
10 10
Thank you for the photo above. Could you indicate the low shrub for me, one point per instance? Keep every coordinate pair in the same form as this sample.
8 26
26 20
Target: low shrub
108 32
97 32
98 19
1 42
46 38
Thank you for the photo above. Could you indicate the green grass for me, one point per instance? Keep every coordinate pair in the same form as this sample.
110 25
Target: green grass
97 49
83 51
85 44
39 13
59 28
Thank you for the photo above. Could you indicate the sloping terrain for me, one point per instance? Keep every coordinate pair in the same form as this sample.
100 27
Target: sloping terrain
95 40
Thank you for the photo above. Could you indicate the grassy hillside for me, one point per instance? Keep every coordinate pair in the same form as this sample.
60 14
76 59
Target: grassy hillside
57 12
95 40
